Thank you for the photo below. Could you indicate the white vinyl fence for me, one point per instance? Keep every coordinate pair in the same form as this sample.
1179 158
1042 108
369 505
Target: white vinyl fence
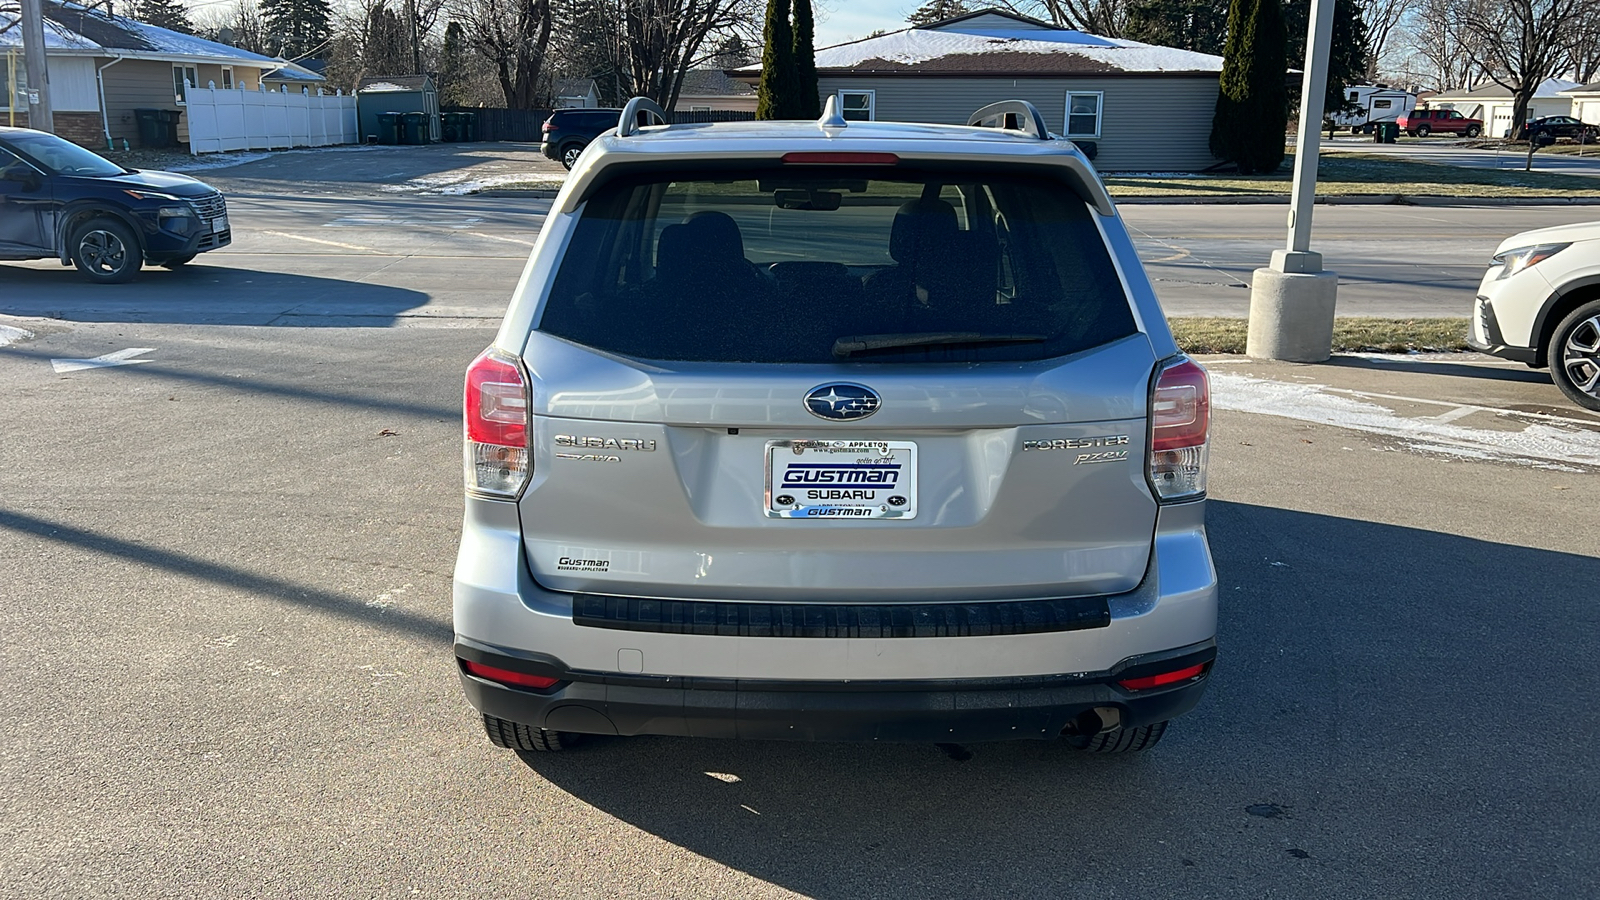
233 119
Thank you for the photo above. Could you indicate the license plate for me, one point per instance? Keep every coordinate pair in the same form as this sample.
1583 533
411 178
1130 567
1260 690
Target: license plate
219 224
841 479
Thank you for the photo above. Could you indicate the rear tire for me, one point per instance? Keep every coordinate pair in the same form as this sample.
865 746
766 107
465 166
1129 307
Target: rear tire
1423 131
1120 740
1574 354
569 156
515 736
106 251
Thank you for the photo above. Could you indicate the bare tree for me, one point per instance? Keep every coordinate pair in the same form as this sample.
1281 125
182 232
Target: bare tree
1583 58
1383 18
1520 43
1442 55
1102 17
514 35
663 39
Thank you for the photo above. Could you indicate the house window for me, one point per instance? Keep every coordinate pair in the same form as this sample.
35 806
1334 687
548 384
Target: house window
857 106
227 78
181 75
1083 115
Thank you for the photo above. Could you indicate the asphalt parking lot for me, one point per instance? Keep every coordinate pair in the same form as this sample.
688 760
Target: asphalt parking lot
226 566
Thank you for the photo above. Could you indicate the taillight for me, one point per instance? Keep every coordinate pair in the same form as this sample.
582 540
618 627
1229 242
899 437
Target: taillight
1165 678
496 425
1180 420
547 127
506 676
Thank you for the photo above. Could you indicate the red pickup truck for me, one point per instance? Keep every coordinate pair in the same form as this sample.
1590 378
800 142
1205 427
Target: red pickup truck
1423 122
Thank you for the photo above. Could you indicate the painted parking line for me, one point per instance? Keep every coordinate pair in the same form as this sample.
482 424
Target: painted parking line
119 358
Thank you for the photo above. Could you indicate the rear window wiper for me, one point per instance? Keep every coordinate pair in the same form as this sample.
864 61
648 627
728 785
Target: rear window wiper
860 343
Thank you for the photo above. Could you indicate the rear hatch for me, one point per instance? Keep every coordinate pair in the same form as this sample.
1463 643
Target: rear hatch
838 384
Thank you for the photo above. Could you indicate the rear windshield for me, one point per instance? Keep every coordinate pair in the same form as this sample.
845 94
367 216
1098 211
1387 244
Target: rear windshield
831 265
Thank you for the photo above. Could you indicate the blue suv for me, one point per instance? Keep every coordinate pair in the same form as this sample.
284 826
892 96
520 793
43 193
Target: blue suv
59 200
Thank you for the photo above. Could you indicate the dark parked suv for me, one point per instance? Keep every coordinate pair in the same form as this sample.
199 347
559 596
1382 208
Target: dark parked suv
568 131
60 200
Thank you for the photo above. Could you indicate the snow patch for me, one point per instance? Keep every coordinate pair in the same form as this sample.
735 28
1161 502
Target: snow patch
10 335
456 184
1538 444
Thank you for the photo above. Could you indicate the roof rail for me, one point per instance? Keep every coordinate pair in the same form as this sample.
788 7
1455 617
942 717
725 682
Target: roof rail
1016 115
628 123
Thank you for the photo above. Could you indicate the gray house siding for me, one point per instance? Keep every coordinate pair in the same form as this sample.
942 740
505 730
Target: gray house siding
1150 123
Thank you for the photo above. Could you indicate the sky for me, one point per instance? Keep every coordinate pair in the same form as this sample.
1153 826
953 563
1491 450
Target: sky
846 20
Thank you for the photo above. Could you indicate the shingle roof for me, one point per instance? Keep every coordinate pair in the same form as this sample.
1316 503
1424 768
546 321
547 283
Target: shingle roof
992 42
382 83
73 29
712 83
1550 87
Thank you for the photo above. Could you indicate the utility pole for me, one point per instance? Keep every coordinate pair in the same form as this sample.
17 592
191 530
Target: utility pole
40 114
1292 300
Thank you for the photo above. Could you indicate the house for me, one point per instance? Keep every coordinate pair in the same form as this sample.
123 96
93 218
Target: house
1142 107
294 77
1492 103
103 67
397 94
711 90
1585 102
576 93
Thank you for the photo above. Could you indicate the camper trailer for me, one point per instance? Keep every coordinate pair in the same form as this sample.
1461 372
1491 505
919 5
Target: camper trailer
1373 103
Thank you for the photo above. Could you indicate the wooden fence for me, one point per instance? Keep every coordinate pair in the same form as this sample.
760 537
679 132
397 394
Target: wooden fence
524 124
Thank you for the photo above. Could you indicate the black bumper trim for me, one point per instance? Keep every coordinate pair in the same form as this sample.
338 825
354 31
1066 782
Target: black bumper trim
798 620
983 709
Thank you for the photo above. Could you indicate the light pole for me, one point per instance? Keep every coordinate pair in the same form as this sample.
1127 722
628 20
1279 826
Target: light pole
1292 300
40 113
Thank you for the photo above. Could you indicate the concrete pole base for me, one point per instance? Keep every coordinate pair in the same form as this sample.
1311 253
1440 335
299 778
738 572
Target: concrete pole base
1291 315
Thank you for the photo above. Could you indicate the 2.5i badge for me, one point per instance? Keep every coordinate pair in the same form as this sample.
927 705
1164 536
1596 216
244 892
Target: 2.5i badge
841 479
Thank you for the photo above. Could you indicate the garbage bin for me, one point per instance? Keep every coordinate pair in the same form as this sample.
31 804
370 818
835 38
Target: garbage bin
416 128
450 127
169 122
389 128
469 126
152 129
1385 132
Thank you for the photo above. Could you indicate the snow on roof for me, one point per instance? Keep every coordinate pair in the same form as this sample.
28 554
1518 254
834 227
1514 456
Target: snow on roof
989 44
380 84
1550 87
288 71
72 28
1584 89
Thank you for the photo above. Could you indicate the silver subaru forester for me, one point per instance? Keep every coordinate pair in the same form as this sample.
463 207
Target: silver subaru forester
835 431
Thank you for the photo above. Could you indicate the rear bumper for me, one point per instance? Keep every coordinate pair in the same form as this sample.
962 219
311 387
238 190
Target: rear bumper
956 711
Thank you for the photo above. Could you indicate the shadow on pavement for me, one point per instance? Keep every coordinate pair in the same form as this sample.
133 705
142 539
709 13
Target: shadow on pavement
237 297
1451 369
1395 712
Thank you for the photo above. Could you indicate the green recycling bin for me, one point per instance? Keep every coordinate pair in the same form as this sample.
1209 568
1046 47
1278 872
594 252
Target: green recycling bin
152 128
416 128
389 128
453 126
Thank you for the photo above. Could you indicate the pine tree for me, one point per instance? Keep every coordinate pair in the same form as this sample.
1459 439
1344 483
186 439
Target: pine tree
937 11
453 65
1198 25
808 104
775 97
1347 52
1253 103
297 29
168 14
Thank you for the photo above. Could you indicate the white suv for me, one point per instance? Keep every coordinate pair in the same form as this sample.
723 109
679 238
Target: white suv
1540 304
835 431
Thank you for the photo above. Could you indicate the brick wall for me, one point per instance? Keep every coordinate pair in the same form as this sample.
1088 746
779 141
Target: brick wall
81 128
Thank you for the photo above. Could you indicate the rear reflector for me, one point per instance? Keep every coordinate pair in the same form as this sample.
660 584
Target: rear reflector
506 676
1180 424
496 422
1155 681
823 158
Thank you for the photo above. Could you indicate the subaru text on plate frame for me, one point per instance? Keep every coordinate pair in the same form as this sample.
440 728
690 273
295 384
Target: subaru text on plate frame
834 431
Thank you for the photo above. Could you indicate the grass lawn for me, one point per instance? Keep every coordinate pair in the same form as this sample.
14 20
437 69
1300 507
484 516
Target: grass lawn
1345 174
1350 334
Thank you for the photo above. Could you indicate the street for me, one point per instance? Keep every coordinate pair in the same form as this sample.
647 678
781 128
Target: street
227 538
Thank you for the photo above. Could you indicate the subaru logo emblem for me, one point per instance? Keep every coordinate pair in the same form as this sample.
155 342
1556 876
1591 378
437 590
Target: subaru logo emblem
842 401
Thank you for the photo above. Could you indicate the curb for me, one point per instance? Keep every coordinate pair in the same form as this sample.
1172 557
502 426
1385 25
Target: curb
1370 200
